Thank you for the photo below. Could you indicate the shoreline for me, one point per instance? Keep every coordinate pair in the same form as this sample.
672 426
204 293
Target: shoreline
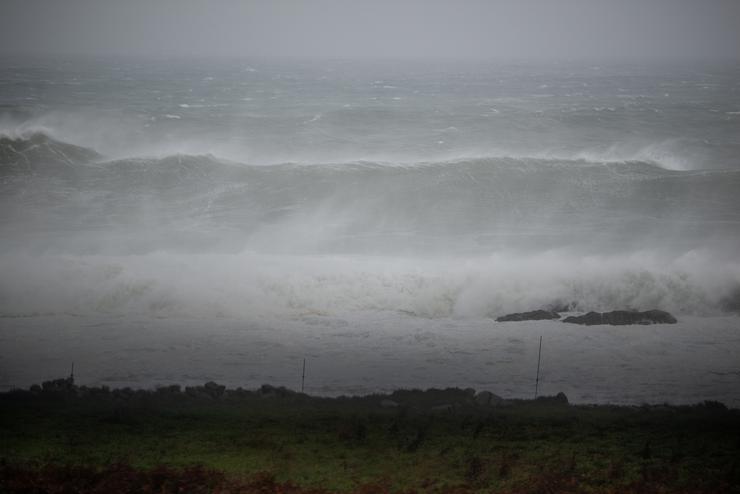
358 354
459 398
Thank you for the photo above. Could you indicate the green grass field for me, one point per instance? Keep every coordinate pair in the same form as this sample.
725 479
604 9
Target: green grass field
351 444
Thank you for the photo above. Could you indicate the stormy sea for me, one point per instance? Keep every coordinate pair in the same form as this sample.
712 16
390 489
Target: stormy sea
190 220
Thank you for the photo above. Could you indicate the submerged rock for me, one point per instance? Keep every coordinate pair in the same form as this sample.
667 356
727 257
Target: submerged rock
535 315
623 318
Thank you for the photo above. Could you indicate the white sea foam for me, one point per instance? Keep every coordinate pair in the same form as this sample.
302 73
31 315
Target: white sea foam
245 285
305 204
122 138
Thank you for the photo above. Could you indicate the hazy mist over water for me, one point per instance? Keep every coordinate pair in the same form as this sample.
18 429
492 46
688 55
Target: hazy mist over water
183 203
353 29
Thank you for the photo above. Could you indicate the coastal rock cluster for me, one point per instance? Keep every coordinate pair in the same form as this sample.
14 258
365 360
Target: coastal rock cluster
535 315
623 317
614 318
433 400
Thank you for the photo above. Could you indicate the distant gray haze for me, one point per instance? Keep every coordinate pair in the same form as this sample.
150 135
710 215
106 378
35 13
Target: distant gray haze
533 29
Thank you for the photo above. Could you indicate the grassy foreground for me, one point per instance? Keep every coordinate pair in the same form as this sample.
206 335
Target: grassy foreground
207 439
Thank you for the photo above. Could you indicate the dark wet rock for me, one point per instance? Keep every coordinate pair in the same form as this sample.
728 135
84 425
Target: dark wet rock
173 389
713 405
213 389
198 393
558 399
123 394
66 385
267 389
622 318
488 399
270 391
240 392
535 315
424 400
101 392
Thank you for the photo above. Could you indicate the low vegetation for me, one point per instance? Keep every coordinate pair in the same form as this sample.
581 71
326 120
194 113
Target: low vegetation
64 438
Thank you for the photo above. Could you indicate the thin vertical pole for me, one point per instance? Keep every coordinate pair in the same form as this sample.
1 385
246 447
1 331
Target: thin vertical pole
537 381
303 376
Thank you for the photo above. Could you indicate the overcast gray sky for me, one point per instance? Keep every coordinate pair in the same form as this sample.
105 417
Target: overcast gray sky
375 28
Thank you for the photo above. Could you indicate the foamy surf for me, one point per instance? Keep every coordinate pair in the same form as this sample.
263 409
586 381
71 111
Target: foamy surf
249 285
374 219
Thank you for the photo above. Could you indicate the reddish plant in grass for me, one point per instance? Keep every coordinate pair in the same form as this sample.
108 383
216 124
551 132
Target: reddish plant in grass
123 478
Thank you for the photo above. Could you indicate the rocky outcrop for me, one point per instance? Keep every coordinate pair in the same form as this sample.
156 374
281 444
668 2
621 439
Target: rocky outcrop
488 399
558 399
535 315
214 390
622 318
269 391
66 385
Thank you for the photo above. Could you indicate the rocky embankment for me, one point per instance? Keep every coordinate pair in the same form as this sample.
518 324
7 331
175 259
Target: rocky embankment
449 400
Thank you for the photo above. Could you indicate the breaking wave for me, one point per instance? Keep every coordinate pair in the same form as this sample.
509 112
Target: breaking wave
39 145
467 237
477 205
249 285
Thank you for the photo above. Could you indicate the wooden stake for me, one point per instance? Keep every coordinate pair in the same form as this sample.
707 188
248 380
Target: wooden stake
537 381
303 376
